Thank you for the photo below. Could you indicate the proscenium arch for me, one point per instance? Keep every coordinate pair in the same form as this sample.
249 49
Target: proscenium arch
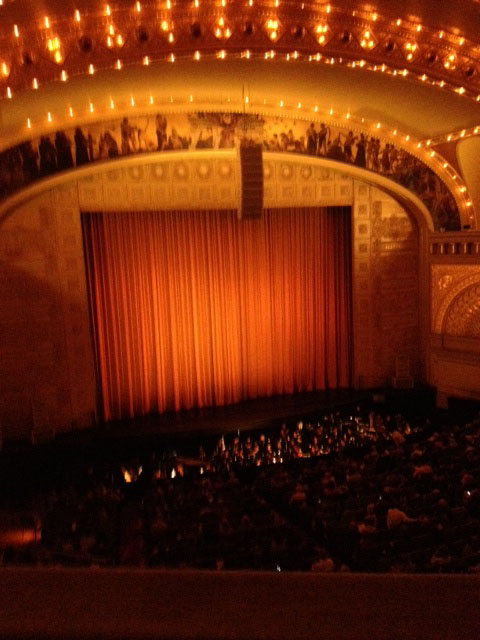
43 227
409 201
409 113
374 81
338 126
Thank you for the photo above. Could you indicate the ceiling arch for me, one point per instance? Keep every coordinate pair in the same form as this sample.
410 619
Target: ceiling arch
345 139
39 42
420 110
212 170
218 64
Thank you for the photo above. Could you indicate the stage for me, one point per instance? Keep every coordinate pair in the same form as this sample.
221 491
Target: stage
261 413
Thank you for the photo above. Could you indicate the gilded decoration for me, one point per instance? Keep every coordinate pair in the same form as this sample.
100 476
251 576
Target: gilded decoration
449 284
462 317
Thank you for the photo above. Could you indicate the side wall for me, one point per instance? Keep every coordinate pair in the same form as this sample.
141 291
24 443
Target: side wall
386 302
455 315
46 362
46 355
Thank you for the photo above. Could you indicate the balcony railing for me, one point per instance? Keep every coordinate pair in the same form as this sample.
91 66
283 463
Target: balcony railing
466 244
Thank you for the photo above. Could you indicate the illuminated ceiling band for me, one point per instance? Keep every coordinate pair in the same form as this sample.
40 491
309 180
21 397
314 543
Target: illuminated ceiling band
51 48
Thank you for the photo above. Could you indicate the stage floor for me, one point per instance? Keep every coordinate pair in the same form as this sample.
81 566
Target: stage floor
245 416
252 415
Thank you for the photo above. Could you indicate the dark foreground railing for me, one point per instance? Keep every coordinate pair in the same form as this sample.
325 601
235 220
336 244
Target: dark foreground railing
60 603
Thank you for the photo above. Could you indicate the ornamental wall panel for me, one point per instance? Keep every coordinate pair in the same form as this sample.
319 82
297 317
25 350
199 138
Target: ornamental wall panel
160 195
115 196
385 287
363 330
447 282
454 354
289 184
463 315
90 195
139 196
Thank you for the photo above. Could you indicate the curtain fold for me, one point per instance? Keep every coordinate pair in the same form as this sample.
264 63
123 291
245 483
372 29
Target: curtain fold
197 308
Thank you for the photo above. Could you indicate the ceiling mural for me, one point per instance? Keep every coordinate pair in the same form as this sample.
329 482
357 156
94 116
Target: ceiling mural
48 155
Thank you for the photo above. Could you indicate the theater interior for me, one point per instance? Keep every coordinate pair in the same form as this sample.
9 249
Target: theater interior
218 217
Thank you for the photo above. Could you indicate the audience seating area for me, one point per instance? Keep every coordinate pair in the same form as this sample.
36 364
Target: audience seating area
354 490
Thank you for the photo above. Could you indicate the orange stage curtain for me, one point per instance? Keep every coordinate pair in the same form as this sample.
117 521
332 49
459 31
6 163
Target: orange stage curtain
197 308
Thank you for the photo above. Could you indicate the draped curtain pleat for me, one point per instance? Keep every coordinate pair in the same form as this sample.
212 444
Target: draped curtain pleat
198 308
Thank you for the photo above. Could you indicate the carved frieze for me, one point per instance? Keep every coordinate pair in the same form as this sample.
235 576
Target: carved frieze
449 282
462 317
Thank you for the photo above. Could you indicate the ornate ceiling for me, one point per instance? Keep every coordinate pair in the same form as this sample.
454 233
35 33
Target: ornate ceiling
411 67
56 40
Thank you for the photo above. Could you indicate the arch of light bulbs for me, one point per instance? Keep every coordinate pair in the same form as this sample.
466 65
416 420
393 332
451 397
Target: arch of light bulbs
451 53
296 56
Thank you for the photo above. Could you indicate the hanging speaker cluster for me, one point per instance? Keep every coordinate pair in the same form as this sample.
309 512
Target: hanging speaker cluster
251 165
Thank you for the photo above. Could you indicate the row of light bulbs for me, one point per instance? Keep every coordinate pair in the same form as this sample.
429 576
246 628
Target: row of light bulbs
270 55
138 8
413 146
223 31
455 135
367 39
272 25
